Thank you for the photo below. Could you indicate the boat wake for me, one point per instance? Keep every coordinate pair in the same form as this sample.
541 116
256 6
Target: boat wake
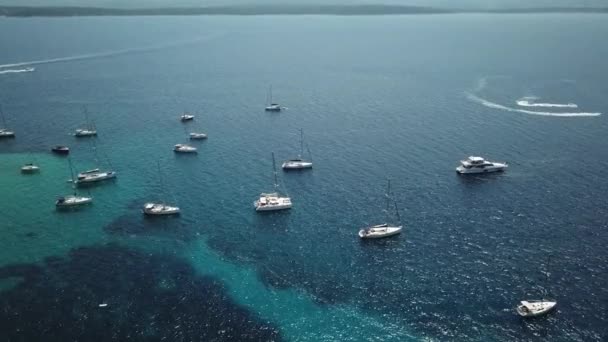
16 71
525 102
109 53
529 101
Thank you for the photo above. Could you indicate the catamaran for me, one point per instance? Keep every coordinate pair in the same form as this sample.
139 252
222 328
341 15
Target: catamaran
385 229
89 130
158 209
271 106
298 163
274 200
5 132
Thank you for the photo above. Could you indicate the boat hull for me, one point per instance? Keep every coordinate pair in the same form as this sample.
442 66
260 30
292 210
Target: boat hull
273 108
30 169
489 169
535 308
85 133
272 203
154 209
94 178
379 232
73 201
290 165
61 151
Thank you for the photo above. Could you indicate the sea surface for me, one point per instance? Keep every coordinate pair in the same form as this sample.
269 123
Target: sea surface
395 97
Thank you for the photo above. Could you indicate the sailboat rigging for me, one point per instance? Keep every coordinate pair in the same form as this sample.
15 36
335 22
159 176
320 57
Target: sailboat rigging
298 163
385 229
273 201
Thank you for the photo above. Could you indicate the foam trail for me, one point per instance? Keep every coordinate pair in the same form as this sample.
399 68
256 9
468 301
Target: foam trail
16 71
528 101
108 53
494 105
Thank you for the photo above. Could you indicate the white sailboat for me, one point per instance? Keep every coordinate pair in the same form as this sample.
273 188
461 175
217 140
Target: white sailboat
5 132
274 200
30 168
160 209
385 229
184 148
270 105
94 175
186 117
536 307
72 200
298 163
89 130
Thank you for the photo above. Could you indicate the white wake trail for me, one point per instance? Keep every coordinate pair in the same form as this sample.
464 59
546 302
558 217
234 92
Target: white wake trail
109 53
495 105
16 71
529 101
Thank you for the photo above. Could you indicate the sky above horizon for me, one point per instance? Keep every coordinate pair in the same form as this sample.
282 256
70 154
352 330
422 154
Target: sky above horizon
480 4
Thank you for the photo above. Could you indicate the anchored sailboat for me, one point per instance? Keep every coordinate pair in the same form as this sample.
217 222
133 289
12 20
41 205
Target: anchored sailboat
158 209
96 174
4 131
72 200
274 200
270 105
298 163
385 229
534 308
89 130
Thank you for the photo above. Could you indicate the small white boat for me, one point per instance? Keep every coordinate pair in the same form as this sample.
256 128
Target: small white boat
272 201
30 168
271 106
383 230
298 163
198 136
534 308
4 133
94 176
184 148
159 209
89 130
83 132
479 165
73 201
186 117
379 231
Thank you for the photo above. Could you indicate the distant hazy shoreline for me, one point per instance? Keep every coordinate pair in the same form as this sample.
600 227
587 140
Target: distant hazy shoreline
25 11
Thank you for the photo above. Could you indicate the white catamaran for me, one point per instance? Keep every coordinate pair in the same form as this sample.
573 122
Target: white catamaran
299 163
274 200
385 229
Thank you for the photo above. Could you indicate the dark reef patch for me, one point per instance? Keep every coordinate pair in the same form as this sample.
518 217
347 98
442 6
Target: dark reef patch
148 297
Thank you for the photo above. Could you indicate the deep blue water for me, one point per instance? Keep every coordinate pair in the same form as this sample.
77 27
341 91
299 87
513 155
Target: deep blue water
401 97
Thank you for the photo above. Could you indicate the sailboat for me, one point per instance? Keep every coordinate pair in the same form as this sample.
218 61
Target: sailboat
186 117
5 132
157 209
72 200
89 130
271 106
30 167
196 135
94 175
534 308
298 163
274 200
385 229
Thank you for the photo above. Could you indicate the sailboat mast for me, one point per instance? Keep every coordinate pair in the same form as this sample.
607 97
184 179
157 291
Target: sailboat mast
301 143
3 118
270 94
388 200
274 171
72 174
160 179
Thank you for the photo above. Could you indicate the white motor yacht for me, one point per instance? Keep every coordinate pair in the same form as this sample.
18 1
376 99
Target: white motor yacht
479 165
184 148
186 117
30 168
534 308
159 209
72 201
198 136
272 201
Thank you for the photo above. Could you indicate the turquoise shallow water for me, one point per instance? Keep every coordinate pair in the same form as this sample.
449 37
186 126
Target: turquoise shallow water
398 97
